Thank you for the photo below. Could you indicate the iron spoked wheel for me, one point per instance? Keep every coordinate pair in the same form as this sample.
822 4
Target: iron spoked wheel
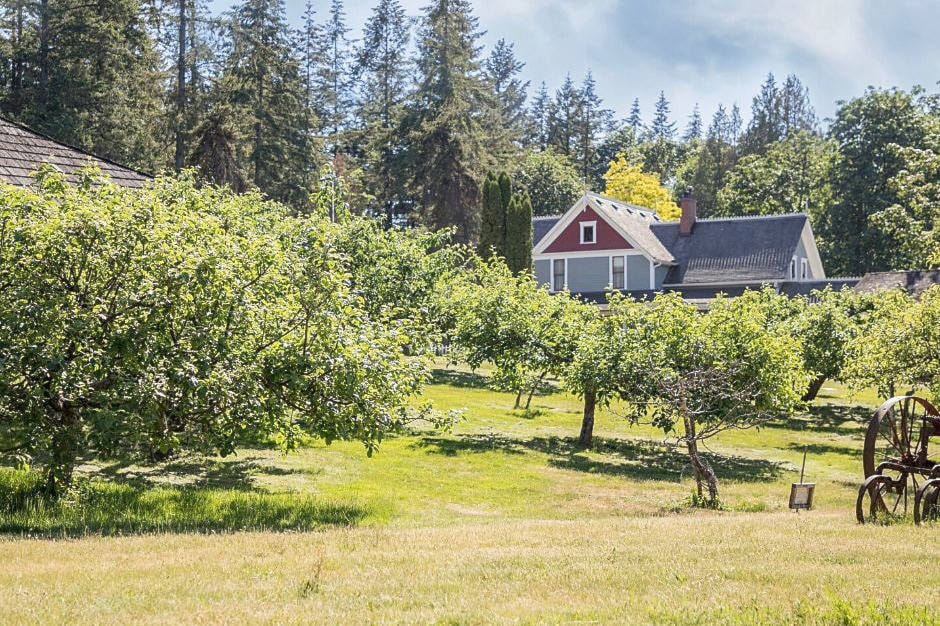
883 499
926 507
894 433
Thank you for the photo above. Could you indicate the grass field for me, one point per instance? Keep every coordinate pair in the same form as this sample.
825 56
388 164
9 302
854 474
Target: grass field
500 520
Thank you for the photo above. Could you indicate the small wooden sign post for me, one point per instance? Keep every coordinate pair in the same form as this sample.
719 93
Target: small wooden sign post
801 494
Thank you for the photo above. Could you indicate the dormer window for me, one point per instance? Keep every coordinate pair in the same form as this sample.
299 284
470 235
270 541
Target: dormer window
793 268
804 269
588 232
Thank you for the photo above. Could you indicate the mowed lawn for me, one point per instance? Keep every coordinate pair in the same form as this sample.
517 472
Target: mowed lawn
504 520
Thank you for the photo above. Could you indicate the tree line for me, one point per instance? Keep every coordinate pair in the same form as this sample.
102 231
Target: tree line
409 113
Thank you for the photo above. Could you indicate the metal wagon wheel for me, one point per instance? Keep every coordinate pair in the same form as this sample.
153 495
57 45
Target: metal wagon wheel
882 499
894 445
926 507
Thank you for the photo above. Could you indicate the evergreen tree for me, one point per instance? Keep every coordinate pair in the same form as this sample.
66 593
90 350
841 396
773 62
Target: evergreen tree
452 137
635 122
765 127
502 70
384 76
796 111
660 151
519 233
563 118
539 122
708 164
662 127
492 219
87 74
594 122
261 83
334 83
308 41
693 129
214 153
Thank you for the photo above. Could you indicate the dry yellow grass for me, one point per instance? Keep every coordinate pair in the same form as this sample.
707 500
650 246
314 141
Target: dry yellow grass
688 568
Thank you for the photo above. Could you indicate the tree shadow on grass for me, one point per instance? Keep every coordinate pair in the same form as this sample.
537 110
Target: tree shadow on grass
827 418
209 496
634 458
459 379
825 448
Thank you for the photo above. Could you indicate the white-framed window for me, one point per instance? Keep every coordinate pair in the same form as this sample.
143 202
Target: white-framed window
804 269
588 232
559 272
618 272
793 268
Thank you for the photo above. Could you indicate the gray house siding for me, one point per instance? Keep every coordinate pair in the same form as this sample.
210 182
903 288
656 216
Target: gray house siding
638 272
543 272
588 274
661 273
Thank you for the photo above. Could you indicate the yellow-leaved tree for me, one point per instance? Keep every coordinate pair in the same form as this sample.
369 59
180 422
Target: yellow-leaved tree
629 183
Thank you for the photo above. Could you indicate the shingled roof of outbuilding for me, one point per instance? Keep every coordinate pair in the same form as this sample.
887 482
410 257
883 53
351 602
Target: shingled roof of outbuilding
732 250
23 151
914 282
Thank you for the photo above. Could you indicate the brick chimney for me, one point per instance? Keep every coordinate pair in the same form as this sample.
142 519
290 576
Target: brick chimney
687 219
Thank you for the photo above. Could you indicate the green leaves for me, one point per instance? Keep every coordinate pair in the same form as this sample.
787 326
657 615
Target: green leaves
177 318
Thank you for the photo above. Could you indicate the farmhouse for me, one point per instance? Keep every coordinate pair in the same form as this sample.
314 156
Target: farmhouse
23 151
601 244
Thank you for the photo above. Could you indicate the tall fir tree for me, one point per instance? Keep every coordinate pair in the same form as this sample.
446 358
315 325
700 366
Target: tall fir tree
563 118
539 122
452 135
334 79
261 84
384 76
635 121
660 150
693 129
593 124
502 70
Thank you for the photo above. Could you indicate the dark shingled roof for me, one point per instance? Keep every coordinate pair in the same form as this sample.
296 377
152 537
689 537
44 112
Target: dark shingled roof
914 282
541 226
736 249
22 151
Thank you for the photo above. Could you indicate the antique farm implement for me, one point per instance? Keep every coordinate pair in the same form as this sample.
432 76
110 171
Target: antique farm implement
899 474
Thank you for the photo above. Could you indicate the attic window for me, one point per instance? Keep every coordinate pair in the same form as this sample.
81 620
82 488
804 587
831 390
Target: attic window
804 269
793 268
588 232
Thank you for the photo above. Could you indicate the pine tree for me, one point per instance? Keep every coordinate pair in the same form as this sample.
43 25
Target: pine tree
308 41
593 124
563 118
765 126
452 139
796 111
384 76
502 70
214 153
662 128
635 121
693 129
539 112
261 83
334 84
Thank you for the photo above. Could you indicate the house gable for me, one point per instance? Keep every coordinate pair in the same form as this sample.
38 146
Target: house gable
605 236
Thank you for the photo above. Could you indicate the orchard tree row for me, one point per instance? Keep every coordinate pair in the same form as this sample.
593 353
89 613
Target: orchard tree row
412 112
693 374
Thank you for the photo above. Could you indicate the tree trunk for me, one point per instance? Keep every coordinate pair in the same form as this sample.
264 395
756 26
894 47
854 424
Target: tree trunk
518 398
586 438
814 388
703 469
63 449
532 391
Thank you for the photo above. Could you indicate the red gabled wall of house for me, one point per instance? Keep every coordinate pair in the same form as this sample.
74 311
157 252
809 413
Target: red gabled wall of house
569 240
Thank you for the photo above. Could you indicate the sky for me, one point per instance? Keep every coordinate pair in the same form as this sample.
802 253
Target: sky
705 51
